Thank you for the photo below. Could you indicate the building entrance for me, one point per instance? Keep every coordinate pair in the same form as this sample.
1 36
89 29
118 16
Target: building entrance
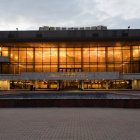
70 85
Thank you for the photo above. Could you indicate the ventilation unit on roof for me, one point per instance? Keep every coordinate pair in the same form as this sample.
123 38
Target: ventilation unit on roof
58 28
100 27
64 28
44 28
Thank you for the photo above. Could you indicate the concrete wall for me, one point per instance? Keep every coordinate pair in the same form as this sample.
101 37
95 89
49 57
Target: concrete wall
4 85
4 59
70 76
62 76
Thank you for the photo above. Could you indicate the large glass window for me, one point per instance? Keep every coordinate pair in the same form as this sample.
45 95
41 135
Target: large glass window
136 53
88 57
38 55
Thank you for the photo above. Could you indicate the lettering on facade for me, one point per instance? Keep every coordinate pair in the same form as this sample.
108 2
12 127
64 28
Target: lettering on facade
70 75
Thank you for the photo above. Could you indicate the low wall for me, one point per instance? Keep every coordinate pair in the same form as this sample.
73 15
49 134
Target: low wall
111 103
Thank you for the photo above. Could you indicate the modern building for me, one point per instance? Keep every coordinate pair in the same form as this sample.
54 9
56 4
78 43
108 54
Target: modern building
54 58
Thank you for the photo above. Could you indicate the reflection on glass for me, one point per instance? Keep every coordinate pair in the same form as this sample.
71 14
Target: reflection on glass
46 55
101 56
136 53
117 55
29 55
91 56
22 56
86 55
62 55
101 67
54 55
126 55
38 55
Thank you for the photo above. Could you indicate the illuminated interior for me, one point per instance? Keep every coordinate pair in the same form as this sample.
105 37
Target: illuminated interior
87 56
70 57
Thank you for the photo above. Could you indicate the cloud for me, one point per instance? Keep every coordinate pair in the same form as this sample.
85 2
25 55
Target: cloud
30 14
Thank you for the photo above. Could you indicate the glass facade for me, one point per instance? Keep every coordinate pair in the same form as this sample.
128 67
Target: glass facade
70 56
121 57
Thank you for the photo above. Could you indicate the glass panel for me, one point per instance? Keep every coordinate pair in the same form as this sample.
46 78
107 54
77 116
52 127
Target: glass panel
101 48
126 55
29 55
62 55
136 53
70 66
38 68
53 68
46 68
5 48
46 55
110 57
78 56
22 68
135 67
93 68
77 66
126 67
110 67
5 69
70 55
101 56
14 56
86 68
29 68
118 67
5 53
86 54
14 69
101 67
93 56
38 55
54 55
118 55
22 56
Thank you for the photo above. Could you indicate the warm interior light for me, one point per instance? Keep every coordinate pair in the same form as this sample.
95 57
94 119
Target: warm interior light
16 57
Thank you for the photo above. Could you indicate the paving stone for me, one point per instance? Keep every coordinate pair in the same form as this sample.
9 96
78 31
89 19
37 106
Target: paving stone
69 124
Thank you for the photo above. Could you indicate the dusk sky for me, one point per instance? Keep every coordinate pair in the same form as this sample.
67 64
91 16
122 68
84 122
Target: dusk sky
30 14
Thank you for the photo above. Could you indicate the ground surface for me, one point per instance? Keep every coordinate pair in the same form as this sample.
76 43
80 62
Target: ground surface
69 124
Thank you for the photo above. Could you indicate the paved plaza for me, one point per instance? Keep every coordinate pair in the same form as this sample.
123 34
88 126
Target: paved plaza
69 124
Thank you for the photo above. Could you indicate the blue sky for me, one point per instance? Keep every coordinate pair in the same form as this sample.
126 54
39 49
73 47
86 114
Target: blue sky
30 14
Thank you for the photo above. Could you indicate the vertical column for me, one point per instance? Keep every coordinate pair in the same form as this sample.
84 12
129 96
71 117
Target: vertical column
9 53
131 59
82 84
106 55
107 85
58 84
33 59
58 64
81 57
58 57
136 84
4 85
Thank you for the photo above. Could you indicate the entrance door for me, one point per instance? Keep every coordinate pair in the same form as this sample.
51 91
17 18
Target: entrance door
70 84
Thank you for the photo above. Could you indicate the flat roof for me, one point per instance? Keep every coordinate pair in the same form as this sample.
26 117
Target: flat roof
71 35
